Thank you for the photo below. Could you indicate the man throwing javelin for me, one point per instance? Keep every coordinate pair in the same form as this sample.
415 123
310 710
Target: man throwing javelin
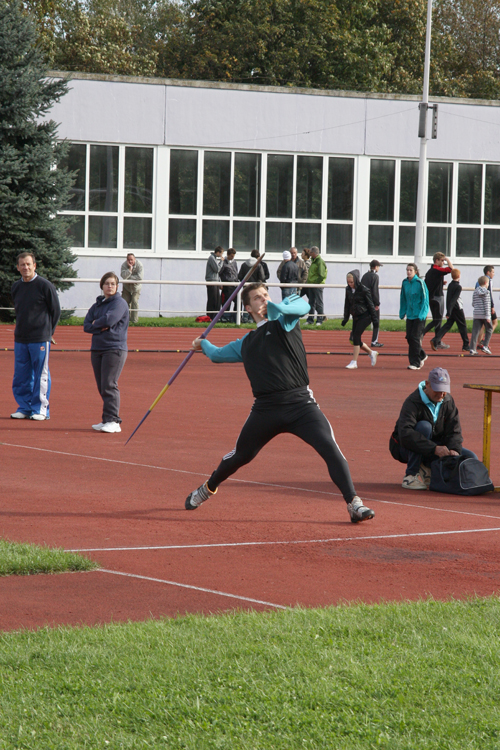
275 363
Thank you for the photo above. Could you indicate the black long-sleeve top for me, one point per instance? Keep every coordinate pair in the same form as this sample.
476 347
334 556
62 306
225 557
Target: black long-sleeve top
37 310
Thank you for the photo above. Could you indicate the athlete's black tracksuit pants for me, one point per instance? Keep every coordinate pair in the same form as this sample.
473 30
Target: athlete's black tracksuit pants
303 419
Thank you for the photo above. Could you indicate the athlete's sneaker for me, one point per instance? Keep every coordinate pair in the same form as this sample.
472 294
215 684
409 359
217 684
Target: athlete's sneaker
353 365
434 345
98 427
359 512
425 473
197 497
376 344
373 358
472 352
466 348
38 417
480 346
425 357
416 482
441 346
486 350
414 367
110 427
19 415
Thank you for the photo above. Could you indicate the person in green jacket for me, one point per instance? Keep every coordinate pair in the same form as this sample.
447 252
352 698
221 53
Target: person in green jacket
317 275
414 305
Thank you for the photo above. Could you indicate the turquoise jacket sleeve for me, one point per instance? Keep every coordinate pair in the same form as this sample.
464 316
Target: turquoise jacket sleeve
424 307
229 353
288 311
402 301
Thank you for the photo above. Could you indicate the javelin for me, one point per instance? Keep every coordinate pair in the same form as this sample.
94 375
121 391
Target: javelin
203 336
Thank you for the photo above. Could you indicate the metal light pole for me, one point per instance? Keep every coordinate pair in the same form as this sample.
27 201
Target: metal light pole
422 134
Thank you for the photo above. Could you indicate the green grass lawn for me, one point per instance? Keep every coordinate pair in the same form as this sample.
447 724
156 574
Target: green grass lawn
29 559
330 325
413 675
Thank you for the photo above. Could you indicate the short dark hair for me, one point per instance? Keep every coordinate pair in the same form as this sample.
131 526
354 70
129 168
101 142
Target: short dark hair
107 276
231 251
219 249
245 295
487 269
25 254
255 254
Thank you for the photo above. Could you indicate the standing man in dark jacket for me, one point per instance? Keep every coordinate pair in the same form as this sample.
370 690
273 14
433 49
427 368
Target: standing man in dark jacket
229 272
428 428
455 311
212 273
37 314
288 273
370 280
434 279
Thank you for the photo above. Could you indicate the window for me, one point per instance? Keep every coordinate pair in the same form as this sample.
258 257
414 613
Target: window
340 205
247 184
381 206
183 182
279 186
216 183
309 187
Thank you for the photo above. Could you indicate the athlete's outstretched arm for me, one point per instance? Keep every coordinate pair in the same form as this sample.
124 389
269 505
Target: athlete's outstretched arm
288 311
229 353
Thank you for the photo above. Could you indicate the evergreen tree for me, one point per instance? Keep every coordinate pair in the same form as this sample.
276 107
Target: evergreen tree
32 187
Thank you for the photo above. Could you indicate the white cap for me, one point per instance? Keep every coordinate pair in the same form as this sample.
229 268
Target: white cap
287 255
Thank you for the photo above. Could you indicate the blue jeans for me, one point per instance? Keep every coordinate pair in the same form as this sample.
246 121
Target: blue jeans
413 460
31 383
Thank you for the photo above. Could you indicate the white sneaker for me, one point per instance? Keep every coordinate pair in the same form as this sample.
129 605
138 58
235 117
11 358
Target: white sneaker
111 427
19 415
486 350
38 417
98 427
414 482
373 358
353 365
413 367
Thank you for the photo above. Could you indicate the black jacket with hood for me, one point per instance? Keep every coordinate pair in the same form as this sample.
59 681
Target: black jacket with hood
359 302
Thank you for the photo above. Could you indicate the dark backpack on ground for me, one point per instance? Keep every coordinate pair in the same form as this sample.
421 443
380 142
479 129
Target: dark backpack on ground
459 475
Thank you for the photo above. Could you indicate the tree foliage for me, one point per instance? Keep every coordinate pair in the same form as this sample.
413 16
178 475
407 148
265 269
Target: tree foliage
32 188
358 45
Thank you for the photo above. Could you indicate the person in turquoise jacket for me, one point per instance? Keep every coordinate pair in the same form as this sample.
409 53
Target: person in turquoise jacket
414 305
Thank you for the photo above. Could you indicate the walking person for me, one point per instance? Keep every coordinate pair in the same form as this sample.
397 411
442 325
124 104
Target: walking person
414 306
488 271
434 279
359 304
455 311
371 279
132 270
317 275
481 316
107 321
275 362
37 313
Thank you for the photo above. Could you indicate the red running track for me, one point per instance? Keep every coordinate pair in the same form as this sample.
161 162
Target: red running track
276 535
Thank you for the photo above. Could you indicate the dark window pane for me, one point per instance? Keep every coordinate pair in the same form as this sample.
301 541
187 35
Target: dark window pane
438 240
182 234
139 180
278 236
491 244
340 188
183 181
382 173
247 185
309 187
136 233
468 242
103 194
439 197
339 239
380 239
279 186
408 196
76 231
215 233
76 161
216 183
470 185
245 235
406 241
102 231
492 195
307 235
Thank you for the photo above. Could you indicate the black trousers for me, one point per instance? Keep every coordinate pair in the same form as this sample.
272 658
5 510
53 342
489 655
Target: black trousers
306 421
414 330
376 327
213 301
457 316
437 310
107 368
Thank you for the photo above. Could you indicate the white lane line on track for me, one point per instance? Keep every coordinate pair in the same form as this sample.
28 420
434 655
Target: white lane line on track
194 588
248 481
292 541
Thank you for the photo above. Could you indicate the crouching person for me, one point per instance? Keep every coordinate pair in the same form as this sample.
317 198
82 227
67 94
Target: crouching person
428 428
